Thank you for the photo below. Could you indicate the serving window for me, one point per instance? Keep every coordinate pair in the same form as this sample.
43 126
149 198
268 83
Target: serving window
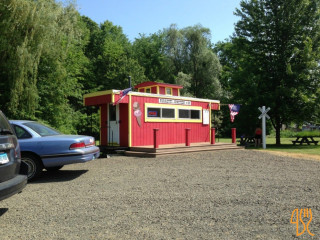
160 112
172 113
189 114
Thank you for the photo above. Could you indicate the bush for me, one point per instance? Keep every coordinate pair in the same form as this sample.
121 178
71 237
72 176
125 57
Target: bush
308 134
284 133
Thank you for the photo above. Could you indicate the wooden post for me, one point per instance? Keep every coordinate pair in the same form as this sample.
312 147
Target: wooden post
155 138
188 137
213 136
233 135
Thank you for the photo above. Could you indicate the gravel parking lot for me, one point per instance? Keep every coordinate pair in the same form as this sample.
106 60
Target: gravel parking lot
238 194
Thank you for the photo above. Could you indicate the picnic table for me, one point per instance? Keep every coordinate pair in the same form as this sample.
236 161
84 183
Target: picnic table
307 140
247 141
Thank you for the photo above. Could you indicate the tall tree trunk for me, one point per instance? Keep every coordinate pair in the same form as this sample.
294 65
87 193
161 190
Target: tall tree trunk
278 129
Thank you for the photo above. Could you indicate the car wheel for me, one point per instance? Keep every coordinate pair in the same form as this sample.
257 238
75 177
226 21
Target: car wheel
34 166
53 169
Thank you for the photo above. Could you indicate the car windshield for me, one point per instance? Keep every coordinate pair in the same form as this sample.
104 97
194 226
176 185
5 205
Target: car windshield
41 129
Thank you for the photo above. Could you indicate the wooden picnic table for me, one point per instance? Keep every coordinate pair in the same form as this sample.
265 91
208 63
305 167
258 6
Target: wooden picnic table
247 141
307 140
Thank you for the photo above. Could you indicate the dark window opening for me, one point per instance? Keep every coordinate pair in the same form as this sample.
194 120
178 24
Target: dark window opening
167 113
183 113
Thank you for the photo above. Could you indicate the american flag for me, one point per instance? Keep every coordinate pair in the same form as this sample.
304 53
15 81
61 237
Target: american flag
234 110
122 94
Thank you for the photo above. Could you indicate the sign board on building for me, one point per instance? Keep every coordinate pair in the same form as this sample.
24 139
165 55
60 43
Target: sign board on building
206 117
174 101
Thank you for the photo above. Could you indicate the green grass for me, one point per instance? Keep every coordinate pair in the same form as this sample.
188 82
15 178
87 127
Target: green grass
287 146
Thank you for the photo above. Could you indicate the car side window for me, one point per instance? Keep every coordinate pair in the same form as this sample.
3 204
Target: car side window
21 132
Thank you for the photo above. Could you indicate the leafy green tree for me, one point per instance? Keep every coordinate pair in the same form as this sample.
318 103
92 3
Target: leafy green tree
278 65
185 81
62 69
149 51
172 54
111 57
174 48
42 60
190 51
22 40
201 62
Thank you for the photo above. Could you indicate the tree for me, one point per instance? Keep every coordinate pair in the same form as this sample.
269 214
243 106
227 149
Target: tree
41 61
201 62
279 62
149 52
111 57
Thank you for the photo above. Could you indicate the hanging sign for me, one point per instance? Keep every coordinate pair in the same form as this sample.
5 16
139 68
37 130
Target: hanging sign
205 117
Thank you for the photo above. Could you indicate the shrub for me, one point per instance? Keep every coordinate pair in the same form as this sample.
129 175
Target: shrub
308 134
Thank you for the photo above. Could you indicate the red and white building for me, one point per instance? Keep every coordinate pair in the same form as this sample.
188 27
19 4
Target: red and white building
159 106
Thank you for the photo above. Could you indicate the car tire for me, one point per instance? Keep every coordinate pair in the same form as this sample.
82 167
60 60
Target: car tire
34 165
54 169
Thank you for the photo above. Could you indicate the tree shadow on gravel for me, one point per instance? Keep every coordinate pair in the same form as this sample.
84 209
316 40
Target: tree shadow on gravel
58 176
3 211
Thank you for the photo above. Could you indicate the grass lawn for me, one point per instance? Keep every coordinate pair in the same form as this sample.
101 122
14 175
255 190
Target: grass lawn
286 146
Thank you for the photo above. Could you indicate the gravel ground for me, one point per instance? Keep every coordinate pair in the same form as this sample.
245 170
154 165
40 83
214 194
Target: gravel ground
238 194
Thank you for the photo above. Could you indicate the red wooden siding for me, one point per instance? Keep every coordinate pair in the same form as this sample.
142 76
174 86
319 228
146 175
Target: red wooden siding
141 89
175 92
154 90
169 132
103 125
162 90
124 121
215 106
98 100
124 100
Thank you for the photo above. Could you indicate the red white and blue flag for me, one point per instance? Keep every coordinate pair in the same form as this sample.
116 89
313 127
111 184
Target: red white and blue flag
122 94
234 110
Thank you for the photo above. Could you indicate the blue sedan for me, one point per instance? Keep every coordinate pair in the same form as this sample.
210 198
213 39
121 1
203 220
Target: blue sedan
45 148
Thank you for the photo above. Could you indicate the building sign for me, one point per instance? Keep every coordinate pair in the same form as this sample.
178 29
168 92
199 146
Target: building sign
154 112
173 101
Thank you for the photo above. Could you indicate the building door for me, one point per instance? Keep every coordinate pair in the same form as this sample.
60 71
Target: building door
113 130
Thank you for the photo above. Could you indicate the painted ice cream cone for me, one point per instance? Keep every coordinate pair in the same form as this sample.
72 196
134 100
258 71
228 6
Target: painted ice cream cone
137 112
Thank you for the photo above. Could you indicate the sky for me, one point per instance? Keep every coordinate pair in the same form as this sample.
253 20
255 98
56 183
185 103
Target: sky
150 16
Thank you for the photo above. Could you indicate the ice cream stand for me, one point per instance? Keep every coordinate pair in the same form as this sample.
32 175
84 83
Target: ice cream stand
154 110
